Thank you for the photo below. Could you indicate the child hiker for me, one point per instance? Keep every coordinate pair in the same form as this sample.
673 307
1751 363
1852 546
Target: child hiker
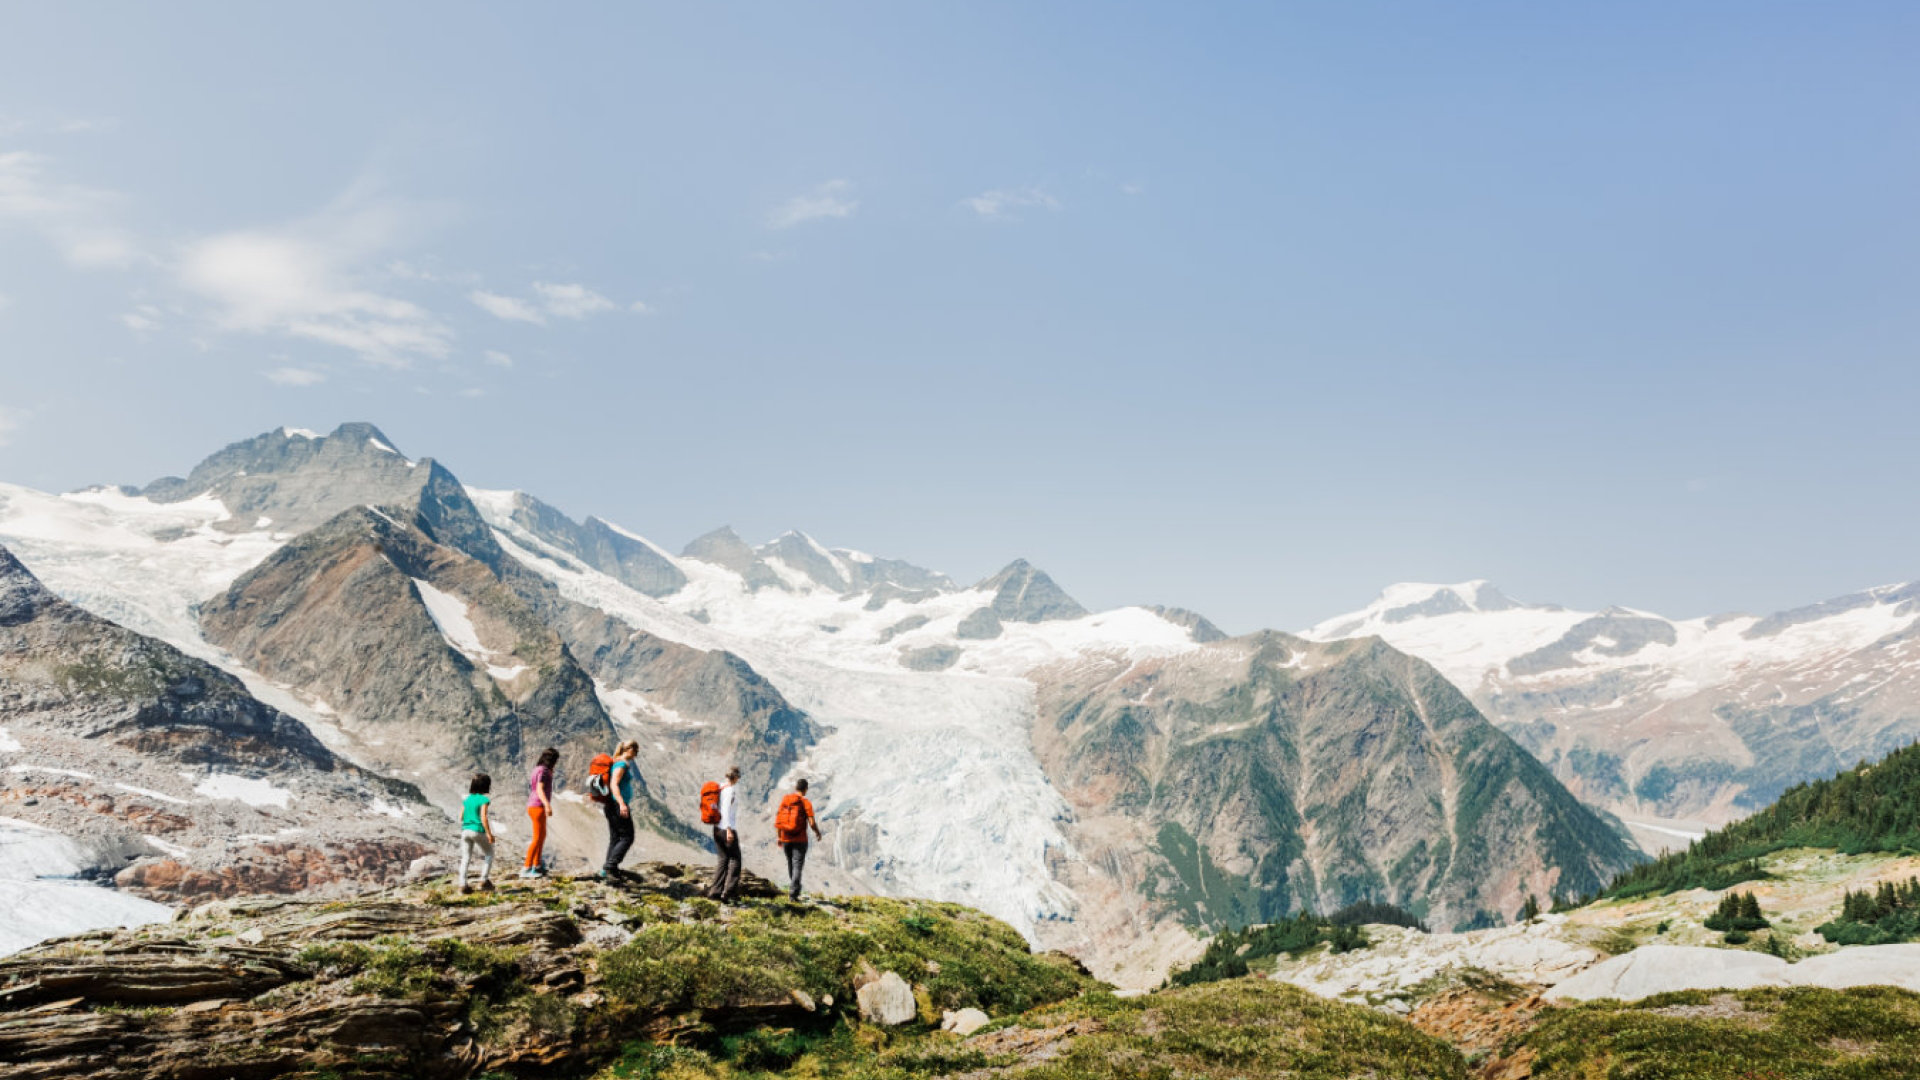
540 809
476 831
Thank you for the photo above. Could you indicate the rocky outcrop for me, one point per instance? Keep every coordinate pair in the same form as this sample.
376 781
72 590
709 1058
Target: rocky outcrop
538 978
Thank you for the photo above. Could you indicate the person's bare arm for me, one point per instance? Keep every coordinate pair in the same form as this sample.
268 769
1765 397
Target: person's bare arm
486 820
619 792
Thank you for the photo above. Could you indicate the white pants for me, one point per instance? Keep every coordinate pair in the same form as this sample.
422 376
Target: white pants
470 842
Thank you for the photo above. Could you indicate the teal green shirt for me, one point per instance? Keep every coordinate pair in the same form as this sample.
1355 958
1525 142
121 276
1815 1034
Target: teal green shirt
470 812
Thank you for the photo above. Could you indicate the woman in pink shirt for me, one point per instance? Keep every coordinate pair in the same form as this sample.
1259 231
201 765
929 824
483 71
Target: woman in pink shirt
540 808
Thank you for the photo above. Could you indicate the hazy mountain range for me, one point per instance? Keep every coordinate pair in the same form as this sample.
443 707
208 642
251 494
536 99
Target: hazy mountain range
1675 725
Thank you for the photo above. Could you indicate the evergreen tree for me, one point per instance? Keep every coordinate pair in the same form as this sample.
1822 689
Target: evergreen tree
1530 910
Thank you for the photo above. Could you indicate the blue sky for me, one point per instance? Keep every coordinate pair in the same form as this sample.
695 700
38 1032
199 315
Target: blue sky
1248 308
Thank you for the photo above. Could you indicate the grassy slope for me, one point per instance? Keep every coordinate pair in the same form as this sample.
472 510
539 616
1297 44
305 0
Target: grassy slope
1871 1033
1246 1028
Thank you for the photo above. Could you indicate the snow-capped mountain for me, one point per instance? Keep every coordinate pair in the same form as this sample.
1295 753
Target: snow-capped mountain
422 628
130 762
1676 725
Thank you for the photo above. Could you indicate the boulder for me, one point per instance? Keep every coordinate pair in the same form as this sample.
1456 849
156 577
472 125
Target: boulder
888 1000
426 866
1658 969
1861 965
963 1022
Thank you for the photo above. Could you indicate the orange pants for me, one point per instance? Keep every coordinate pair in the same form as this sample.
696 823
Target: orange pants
539 816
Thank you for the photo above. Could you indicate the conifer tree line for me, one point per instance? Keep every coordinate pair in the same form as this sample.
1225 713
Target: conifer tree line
1869 808
1881 916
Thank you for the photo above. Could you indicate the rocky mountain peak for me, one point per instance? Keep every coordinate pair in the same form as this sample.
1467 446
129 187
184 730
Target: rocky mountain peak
723 547
1024 593
602 545
22 597
809 557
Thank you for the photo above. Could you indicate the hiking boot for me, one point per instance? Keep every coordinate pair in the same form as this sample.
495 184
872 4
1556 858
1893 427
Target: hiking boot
463 889
487 885
529 872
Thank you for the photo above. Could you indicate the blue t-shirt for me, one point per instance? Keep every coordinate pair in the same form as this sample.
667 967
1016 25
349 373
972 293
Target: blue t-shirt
621 775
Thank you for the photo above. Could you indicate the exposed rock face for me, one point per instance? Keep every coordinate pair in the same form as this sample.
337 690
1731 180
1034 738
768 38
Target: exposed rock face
982 625
803 553
723 547
602 546
1198 625
347 613
1267 775
1023 593
178 781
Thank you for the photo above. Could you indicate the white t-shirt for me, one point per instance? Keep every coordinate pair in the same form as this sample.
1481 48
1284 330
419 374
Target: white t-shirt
726 807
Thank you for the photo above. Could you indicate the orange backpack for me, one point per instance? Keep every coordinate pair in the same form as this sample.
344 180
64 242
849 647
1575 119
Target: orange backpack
599 778
710 803
791 820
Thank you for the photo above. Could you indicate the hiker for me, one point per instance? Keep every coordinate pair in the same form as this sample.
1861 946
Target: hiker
540 809
792 820
726 842
476 831
617 804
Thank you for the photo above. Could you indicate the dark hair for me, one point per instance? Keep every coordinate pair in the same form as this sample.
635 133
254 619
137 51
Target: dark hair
549 757
480 785
800 786
733 773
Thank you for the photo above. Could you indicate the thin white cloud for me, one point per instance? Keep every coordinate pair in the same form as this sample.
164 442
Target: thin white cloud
1133 189
77 221
829 200
640 307
296 376
144 318
1001 204
498 358
510 308
550 300
310 280
571 301
10 421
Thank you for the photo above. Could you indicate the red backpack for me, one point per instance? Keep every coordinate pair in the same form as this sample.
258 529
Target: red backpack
791 820
599 778
710 803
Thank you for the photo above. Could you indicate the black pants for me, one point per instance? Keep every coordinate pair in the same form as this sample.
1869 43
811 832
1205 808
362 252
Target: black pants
726 873
619 835
796 865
